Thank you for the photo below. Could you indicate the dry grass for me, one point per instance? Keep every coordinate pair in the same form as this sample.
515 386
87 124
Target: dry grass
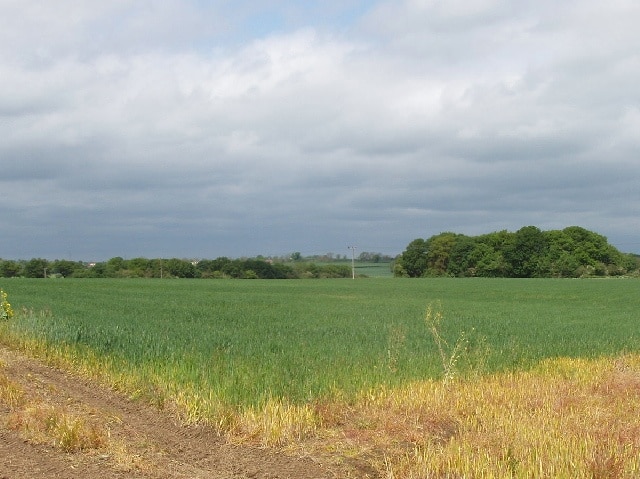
566 419
11 393
277 424
40 421
44 423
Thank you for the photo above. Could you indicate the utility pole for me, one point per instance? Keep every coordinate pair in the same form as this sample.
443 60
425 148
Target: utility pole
353 261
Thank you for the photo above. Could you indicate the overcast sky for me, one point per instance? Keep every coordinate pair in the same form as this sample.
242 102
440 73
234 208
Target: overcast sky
198 129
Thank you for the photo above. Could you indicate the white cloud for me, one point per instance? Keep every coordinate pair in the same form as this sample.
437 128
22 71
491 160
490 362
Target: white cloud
425 116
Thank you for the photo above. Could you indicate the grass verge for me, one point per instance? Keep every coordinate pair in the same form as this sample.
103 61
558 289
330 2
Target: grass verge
565 418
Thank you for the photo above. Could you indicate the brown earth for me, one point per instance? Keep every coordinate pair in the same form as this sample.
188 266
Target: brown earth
133 439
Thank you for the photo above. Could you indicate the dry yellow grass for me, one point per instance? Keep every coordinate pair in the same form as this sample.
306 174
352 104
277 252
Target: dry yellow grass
40 422
44 423
11 393
568 418
278 423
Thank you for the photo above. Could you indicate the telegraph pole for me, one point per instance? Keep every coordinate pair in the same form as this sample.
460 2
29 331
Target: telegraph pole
353 261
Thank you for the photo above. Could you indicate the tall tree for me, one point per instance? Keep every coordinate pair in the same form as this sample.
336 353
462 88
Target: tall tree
439 249
36 268
525 254
413 261
65 267
9 268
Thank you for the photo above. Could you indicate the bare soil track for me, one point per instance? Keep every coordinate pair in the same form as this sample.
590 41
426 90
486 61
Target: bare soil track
142 442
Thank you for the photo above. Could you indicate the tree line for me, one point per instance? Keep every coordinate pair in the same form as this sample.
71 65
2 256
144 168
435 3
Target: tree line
222 267
527 253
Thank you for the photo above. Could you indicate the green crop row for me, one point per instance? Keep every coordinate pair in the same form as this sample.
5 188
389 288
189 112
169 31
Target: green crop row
244 343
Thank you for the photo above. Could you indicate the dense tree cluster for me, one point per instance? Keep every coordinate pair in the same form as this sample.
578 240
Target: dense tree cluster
527 253
172 268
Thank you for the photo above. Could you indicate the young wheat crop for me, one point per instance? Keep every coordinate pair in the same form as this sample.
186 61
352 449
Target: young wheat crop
362 364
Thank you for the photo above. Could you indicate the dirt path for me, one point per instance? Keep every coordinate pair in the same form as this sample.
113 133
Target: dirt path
140 442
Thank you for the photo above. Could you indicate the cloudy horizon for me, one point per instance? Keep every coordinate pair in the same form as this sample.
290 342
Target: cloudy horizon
204 129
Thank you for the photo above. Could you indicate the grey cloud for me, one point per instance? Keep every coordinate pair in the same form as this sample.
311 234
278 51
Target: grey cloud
422 117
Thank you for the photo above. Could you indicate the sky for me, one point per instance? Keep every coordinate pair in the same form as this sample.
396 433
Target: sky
199 129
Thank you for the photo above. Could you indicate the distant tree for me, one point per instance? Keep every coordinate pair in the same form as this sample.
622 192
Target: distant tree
212 268
139 267
114 265
413 261
529 252
630 262
284 271
250 274
66 268
369 257
233 269
439 249
525 254
334 271
487 261
590 247
36 268
498 240
459 257
10 268
261 269
560 259
94 270
180 268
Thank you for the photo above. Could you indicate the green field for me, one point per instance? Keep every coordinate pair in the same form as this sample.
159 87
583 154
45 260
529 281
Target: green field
374 270
365 268
243 342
